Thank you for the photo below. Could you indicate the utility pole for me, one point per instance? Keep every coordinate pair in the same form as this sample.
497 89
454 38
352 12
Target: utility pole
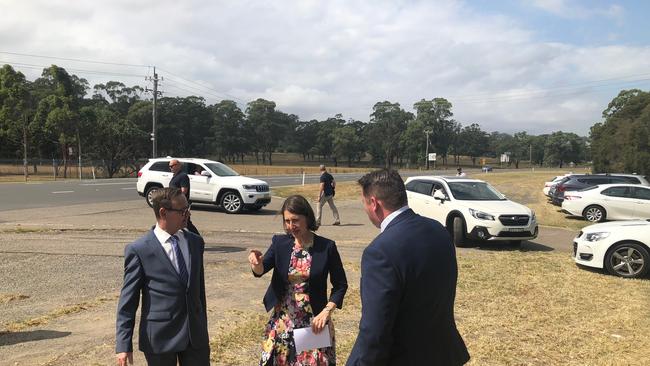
153 113
427 132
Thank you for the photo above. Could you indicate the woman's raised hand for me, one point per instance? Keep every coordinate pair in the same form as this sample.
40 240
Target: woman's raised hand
255 257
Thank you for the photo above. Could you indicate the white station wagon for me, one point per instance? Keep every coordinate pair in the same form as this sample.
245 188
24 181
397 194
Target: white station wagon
471 209
210 182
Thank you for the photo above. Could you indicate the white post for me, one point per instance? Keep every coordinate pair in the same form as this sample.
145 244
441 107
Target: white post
303 177
93 172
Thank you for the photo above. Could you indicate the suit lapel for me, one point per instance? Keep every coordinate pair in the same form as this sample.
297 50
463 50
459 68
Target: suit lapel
285 258
159 252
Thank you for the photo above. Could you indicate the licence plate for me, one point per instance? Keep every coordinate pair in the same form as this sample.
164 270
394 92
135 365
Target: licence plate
516 229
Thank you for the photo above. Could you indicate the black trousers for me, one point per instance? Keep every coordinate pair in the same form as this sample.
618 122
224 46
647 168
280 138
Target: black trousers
189 357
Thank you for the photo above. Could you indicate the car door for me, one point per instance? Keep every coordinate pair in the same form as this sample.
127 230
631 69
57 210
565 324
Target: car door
159 172
619 203
200 188
438 209
419 196
642 202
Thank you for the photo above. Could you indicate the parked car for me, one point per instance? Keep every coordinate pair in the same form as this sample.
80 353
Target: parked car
632 178
548 185
486 168
216 184
471 209
620 247
580 181
609 202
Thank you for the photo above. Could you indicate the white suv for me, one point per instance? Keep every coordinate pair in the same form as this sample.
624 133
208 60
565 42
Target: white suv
210 182
471 209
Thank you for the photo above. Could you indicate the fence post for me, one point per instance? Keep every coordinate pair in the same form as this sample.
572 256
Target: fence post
54 168
303 177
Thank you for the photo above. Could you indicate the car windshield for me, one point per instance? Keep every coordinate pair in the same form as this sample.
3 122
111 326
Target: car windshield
221 170
474 191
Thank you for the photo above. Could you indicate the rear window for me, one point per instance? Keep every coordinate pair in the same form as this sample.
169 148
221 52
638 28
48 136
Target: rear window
617 192
633 180
160 166
587 188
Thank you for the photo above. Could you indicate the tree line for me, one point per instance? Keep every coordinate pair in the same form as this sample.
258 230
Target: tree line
59 113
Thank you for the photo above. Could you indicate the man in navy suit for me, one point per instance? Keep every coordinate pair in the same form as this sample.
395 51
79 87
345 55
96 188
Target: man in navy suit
408 284
166 267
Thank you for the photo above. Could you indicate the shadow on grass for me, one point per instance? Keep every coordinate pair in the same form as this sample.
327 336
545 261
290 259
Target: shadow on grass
224 249
10 338
213 208
526 246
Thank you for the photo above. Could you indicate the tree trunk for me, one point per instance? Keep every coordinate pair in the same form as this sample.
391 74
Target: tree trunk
25 172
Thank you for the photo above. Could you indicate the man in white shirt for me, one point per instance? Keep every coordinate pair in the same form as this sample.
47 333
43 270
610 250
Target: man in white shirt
165 266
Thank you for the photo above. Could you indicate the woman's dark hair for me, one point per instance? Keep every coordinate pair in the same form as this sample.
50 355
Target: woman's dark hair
298 205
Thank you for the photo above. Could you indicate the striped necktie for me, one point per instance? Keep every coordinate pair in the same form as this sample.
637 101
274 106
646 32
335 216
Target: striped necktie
182 268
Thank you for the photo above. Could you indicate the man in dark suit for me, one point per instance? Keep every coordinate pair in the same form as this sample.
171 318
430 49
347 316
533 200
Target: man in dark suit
181 181
408 284
166 267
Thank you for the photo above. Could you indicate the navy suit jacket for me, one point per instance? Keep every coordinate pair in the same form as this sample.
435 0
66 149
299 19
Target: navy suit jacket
408 286
173 315
325 260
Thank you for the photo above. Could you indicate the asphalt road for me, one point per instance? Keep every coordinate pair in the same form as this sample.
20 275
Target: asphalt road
14 196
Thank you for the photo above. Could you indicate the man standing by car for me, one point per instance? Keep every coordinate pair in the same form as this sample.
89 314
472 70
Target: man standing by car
181 181
408 284
326 194
165 268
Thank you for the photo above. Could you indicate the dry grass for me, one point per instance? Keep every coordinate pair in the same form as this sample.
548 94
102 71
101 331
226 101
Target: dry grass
344 191
5 298
57 313
512 308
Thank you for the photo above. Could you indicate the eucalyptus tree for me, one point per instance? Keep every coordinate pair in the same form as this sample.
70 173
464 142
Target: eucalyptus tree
16 110
388 122
227 134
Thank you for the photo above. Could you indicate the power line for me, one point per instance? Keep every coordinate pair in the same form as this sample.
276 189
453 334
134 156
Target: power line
81 71
202 86
74 59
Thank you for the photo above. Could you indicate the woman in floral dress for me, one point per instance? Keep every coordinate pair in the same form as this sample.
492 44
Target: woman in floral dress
301 262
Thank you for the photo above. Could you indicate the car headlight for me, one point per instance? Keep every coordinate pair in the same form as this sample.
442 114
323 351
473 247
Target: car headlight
596 236
250 187
532 216
481 215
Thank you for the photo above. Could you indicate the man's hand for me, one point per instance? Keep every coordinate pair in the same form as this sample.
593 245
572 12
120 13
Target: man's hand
123 357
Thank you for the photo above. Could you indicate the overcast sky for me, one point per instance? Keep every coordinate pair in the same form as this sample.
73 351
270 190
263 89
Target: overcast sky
530 65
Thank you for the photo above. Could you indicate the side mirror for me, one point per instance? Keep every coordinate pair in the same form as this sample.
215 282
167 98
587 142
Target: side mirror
438 195
205 173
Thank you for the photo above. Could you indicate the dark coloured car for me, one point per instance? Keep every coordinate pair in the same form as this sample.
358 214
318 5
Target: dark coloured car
577 182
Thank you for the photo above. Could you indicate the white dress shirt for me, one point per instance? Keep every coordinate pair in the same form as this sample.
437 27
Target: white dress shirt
165 240
392 216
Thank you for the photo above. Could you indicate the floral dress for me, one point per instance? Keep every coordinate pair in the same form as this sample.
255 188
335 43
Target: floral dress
294 311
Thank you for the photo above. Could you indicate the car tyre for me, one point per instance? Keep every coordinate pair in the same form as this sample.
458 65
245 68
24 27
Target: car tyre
231 202
458 231
149 194
594 213
629 260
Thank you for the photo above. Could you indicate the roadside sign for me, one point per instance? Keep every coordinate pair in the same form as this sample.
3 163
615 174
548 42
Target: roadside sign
432 156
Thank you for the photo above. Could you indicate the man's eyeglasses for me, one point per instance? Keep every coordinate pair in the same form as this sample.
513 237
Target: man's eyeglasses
172 165
182 211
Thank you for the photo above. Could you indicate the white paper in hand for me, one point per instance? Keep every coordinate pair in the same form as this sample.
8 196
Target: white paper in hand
305 339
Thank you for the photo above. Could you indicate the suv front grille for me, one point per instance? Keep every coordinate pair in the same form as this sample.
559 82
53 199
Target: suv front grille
262 188
514 220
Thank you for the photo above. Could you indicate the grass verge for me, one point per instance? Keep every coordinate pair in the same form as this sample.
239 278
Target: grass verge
512 308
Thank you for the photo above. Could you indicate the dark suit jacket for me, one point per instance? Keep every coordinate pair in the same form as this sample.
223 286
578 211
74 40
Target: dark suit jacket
325 260
173 316
408 286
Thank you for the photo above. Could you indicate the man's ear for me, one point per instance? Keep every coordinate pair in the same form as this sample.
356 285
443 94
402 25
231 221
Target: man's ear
163 212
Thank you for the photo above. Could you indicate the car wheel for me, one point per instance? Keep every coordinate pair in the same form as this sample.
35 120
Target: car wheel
628 260
231 202
594 213
149 194
458 231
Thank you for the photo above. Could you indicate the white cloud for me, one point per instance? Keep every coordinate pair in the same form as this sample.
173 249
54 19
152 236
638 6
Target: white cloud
316 59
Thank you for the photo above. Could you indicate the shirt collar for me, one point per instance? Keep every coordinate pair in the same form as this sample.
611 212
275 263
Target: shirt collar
391 217
164 236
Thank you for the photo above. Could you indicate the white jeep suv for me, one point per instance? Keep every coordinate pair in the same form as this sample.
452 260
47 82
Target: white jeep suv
471 209
210 182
